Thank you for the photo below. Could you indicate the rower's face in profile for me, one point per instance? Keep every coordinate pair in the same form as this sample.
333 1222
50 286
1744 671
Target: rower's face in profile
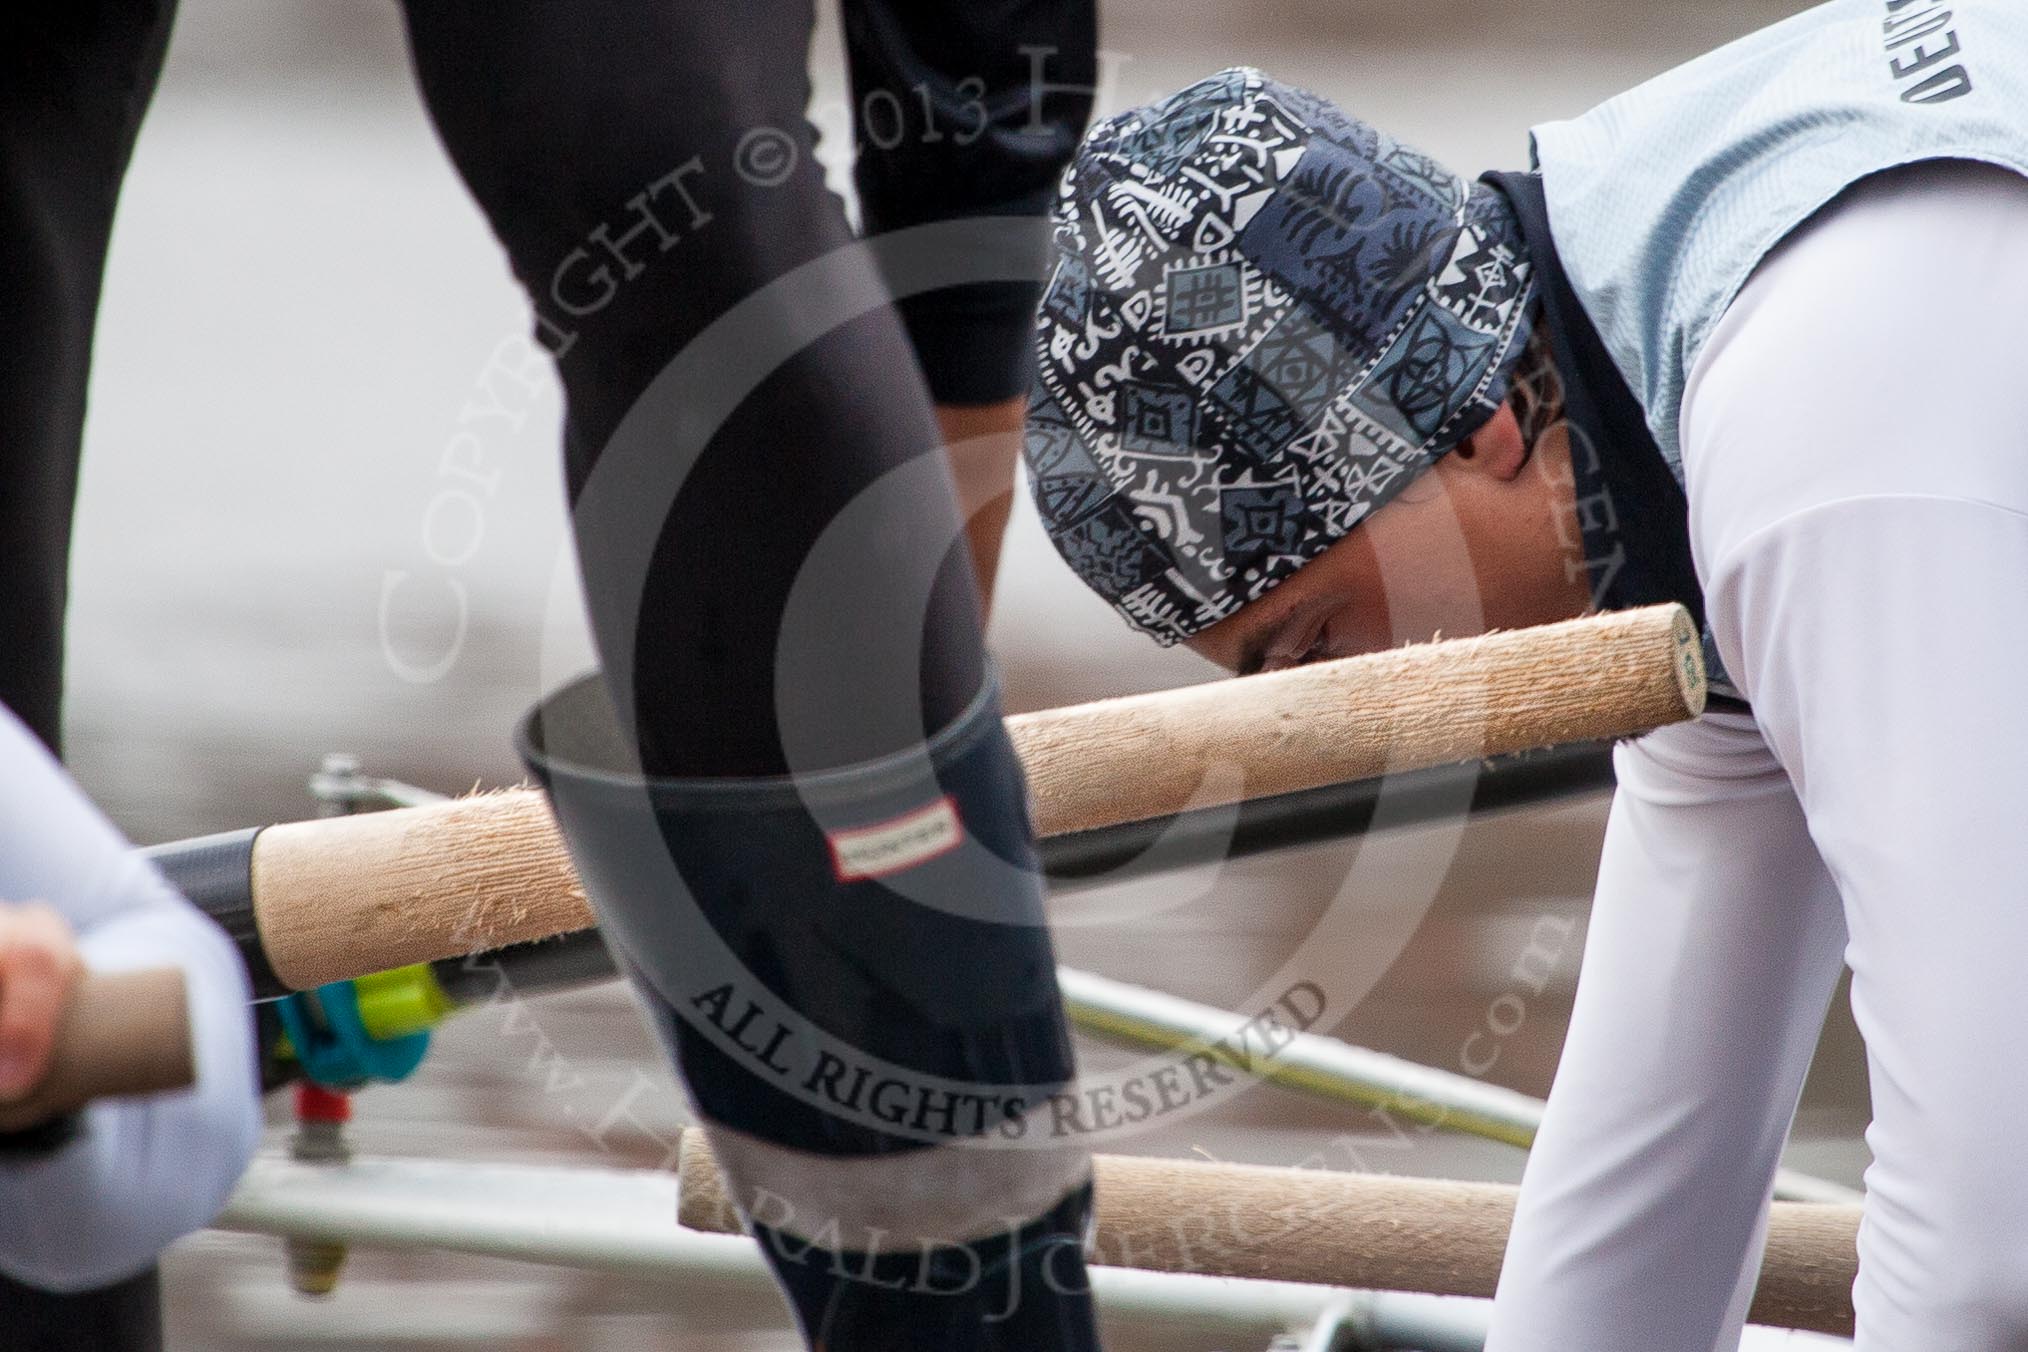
1486 538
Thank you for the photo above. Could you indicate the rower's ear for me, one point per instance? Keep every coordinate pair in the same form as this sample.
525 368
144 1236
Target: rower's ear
1496 449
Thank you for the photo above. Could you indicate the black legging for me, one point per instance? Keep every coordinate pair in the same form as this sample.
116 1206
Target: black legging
679 88
558 116
74 82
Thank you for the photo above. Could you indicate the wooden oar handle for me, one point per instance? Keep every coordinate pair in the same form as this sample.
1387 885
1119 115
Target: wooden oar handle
1121 760
122 1033
342 896
1370 1231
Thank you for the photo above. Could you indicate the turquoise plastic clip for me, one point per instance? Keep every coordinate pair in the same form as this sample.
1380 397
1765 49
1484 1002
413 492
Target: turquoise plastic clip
333 1046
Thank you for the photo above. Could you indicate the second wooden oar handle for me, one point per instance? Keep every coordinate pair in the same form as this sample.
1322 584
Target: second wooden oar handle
122 1033
1371 1231
343 896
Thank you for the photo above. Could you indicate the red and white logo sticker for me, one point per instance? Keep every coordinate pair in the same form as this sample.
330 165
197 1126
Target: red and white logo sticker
861 852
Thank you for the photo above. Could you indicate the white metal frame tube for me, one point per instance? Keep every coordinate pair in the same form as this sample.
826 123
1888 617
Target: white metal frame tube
1327 1068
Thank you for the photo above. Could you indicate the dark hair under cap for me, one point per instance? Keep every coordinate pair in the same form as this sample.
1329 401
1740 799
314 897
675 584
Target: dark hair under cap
1266 319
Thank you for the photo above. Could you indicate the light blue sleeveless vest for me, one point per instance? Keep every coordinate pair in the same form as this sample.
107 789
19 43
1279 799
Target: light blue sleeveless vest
1662 200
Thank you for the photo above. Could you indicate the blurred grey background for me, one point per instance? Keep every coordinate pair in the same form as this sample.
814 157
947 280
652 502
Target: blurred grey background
271 560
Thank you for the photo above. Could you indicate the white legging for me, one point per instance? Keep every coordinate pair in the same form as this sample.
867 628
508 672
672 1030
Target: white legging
1857 459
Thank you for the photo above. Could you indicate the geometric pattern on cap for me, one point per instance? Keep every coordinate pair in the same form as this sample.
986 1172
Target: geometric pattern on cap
1266 318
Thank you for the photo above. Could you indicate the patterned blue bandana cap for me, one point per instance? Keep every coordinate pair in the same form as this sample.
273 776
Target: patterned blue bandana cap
1266 319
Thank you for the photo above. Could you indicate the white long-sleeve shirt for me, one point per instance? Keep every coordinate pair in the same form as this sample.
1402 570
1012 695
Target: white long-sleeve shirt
1857 461
140 1172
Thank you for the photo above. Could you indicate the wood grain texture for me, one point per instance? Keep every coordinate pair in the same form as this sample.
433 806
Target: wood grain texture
122 1033
1143 756
339 897
1371 1231
343 896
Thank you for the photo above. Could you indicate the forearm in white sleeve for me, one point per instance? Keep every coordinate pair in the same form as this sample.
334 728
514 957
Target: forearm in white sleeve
141 1172
1859 486
1711 956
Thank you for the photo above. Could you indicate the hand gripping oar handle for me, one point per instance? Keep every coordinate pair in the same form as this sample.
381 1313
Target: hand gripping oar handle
342 896
1370 1231
122 1033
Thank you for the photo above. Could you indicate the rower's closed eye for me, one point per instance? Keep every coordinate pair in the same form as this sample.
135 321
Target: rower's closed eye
1299 641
